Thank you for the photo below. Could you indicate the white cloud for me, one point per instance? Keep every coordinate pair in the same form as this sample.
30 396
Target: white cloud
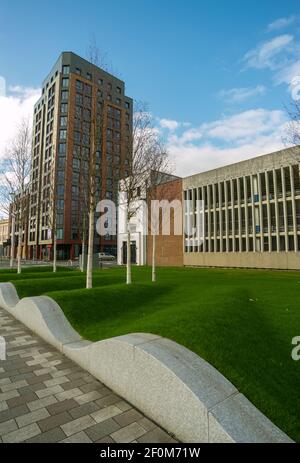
266 55
281 23
237 95
169 124
14 106
228 140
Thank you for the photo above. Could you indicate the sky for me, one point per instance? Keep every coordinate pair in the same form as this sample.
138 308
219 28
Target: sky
217 75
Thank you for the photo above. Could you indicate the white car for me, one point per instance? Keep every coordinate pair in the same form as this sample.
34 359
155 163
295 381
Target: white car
104 256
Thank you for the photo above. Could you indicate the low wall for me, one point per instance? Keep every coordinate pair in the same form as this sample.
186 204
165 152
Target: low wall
169 383
264 260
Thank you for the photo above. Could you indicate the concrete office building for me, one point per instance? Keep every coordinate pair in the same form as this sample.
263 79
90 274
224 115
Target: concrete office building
251 213
74 94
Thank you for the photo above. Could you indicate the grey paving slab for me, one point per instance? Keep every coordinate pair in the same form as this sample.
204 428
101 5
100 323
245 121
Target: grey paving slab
45 397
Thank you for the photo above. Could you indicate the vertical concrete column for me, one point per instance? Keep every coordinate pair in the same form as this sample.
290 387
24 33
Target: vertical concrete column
239 213
192 217
220 216
232 215
215 215
246 213
197 214
209 217
188 220
294 209
276 210
226 216
268 211
286 234
260 205
253 213
204 207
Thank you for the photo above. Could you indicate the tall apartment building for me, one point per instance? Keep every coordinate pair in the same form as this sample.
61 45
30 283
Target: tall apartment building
74 94
251 213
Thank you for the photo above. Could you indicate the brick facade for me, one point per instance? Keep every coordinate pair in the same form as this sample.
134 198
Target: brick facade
169 249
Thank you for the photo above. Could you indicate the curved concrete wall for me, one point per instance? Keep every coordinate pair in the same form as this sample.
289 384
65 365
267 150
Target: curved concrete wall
166 381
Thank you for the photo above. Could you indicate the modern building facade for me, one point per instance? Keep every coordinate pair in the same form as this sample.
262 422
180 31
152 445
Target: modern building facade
4 236
251 214
75 94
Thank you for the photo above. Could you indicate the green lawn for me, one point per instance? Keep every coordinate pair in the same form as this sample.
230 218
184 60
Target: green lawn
241 321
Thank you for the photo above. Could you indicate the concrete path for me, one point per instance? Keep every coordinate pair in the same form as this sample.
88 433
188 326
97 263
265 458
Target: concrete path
45 397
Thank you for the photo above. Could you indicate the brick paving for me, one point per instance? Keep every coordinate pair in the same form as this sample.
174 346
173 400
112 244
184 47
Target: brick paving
45 397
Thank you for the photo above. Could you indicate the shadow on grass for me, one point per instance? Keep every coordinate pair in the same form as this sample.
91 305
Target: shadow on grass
257 359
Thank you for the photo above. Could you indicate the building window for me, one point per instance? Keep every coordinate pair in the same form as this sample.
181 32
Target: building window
64 108
64 95
127 105
59 234
60 190
77 137
79 85
78 71
76 151
63 121
62 148
76 164
78 112
87 114
100 81
119 90
89 76
78 99
88 89
60 204
63 134
59 219
65 82
66 70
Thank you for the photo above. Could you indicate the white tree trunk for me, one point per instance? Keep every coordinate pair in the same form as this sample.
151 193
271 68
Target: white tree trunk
153 257
12 244
54 252
89 268
19 250
82 255
128 266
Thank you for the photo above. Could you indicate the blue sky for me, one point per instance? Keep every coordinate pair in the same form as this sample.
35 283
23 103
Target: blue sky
215 73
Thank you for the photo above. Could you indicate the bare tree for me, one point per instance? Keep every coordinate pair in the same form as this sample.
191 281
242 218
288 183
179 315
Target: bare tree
292 135
15 170
145 155
83 208
96 145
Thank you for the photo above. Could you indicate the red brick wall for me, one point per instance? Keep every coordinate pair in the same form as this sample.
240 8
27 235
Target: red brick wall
169 249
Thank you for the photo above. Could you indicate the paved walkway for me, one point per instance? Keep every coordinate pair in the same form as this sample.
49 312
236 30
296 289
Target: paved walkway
45 397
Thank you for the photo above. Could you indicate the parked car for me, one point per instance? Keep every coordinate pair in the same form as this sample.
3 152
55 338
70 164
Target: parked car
104 256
